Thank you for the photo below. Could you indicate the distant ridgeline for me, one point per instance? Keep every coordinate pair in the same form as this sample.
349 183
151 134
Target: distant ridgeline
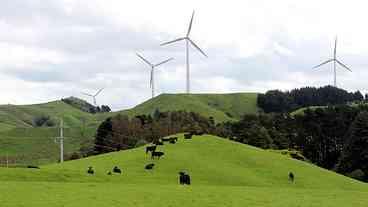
278 101
85 106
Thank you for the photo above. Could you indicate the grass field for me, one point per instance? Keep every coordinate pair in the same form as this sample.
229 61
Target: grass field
224 173
26 144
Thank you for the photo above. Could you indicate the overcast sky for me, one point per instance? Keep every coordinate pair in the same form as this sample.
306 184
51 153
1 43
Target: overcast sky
59 48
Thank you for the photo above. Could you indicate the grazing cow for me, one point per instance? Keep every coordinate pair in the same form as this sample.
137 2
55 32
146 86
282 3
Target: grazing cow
149 166
158 142
165 139
116 169
188 136
172 141
184 178
181 178
156 154
151 148
291 177
90 170
33 166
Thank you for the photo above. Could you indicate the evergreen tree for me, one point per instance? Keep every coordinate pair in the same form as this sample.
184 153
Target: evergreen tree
103 137
355 153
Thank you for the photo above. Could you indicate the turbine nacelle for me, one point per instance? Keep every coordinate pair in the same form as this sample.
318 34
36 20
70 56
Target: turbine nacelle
187 41
153 66
334 60
93 96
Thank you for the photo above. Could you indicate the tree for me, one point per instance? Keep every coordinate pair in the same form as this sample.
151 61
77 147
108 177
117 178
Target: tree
355 152
105 108
103 137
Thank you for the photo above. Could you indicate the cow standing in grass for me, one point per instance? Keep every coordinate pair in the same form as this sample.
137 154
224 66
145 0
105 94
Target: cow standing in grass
151 148
291 177
184 178
90 171
157 154
149 166
116 169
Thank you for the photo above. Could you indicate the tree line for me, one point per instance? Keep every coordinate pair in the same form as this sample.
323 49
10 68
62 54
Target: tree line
278 101
121 132
335 137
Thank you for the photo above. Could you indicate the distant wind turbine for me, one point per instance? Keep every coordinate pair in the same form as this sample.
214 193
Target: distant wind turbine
94 96
153 66
187 41
334 60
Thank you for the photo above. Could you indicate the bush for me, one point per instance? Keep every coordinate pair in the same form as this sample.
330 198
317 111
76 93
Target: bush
73 156
357 174
43 120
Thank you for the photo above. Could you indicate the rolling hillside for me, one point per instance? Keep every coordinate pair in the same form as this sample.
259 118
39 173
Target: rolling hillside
222 107
36 145
224 173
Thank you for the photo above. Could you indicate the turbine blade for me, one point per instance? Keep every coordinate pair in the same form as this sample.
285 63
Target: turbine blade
87 94
335 47
323 63
196 46
163 62
99 91
166 43
146 61
344 65
190 24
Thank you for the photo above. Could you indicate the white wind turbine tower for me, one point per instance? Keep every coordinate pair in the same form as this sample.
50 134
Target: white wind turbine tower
334 60
153 66
187 41
94 96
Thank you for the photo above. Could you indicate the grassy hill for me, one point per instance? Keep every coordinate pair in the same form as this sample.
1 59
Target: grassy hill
24 143
224 173
222 107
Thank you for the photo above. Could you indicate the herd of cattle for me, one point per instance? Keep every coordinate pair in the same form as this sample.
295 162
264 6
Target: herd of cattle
184 177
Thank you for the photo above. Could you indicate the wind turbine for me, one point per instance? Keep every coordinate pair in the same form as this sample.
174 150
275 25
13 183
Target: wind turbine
94 96
153 66
334 60
187 41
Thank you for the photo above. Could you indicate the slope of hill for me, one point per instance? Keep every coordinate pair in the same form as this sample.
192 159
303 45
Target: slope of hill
224 173
19 136
222 107
24 115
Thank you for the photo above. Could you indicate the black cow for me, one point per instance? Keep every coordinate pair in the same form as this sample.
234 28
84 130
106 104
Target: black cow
33 166
90 170
109 173
184 178
149 166
188 136
116 169
291 177
156 154
166 139
151 148
158 142
172 141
